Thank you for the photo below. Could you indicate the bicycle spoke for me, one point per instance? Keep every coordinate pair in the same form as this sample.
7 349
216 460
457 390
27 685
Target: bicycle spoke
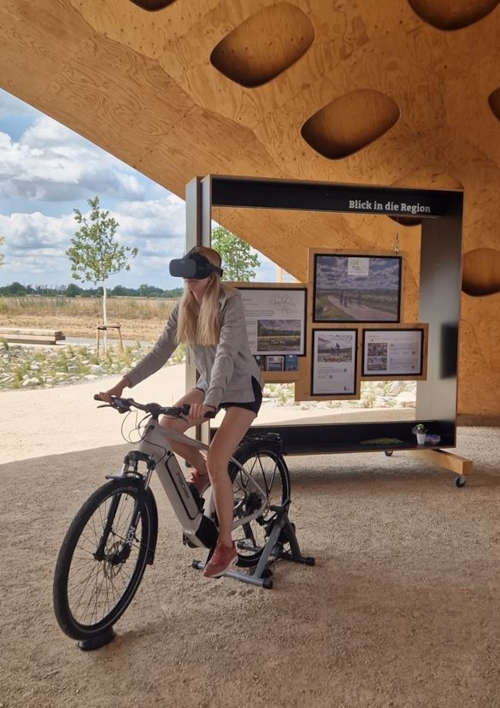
84 570
94 569
267 470
119 509
95 588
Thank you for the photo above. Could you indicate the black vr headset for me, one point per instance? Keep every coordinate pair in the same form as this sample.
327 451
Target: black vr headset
193 265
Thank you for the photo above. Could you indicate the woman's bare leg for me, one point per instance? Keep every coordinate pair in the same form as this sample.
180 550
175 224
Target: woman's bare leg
191 454
233 427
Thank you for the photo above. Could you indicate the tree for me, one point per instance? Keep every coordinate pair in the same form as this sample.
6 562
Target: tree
95 253
150 291
15 288
239 262
72 290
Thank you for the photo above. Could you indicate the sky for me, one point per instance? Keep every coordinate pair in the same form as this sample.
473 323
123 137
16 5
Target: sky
46 171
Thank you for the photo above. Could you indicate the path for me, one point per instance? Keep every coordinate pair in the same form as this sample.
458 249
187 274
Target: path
64 419
362 313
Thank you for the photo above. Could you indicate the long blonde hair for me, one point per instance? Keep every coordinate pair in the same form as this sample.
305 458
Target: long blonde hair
199 323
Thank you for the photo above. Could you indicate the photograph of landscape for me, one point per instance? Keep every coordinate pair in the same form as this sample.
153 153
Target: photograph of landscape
357 288
338 351
376 358
278 336
334 362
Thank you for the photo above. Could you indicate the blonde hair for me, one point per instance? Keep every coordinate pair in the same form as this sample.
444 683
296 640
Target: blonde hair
199 322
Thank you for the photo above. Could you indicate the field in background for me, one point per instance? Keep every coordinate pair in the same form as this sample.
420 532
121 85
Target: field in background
140 318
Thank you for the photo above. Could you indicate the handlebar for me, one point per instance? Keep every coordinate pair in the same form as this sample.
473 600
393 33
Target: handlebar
123 405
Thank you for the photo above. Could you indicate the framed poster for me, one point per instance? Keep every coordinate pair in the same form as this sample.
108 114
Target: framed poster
275 363
276 320
356 288
334 362
393 352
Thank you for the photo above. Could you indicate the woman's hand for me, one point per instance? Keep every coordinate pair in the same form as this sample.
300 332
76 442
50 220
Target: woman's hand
115 391
198 412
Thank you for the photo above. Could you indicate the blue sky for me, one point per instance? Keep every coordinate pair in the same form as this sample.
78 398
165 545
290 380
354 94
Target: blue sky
47 170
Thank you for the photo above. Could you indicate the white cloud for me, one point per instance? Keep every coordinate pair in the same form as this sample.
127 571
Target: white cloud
35 233
36 243
52 163
154 219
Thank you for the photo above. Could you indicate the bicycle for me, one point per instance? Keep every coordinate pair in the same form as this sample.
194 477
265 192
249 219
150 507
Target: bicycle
117 527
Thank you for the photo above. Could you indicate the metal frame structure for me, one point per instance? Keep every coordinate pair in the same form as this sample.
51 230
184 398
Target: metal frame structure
439 305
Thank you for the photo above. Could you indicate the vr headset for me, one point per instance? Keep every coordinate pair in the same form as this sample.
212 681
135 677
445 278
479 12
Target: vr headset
193 265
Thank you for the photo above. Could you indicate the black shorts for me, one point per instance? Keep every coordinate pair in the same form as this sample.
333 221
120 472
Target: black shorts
251 405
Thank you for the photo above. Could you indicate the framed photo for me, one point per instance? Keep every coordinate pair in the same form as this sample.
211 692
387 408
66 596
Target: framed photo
291 362
354 288
276 320
275 363
334 362
393 352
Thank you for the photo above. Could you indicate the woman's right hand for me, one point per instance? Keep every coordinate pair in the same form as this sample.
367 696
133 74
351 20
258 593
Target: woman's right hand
115 391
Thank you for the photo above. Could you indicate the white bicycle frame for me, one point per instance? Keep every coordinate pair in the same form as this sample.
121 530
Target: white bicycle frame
198 526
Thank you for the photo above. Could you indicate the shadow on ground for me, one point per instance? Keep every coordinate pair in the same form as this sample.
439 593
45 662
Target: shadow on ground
400 610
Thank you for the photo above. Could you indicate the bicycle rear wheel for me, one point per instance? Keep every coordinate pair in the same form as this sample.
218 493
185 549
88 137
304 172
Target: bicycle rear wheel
268 468
102 559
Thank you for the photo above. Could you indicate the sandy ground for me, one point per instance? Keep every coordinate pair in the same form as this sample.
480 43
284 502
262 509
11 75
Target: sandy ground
66 418
400 610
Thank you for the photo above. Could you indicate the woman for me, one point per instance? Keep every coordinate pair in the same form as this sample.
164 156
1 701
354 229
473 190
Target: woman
210 319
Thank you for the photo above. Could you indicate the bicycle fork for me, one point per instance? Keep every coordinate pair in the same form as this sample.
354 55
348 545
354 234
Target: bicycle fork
126 546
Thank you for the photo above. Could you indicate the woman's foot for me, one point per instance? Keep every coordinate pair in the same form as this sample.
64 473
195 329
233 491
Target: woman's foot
222 558
200 481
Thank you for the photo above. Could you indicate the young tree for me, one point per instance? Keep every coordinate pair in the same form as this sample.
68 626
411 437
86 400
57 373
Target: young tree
94 252
238 261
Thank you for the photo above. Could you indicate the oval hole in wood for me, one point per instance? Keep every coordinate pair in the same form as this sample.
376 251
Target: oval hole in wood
494 101
152 5
349 123
264 45
481 272
452 14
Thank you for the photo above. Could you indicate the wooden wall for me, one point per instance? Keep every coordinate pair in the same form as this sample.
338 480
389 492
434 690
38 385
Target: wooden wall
396 91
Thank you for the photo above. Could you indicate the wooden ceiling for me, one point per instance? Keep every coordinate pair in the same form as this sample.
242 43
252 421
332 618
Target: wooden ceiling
391 92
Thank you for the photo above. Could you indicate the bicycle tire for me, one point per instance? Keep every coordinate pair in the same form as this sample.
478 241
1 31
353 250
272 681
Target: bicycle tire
270 470
66 614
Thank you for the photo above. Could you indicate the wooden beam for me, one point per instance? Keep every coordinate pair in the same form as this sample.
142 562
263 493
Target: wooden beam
448 460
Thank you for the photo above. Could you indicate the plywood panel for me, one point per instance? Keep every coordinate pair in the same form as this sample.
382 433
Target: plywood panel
141 85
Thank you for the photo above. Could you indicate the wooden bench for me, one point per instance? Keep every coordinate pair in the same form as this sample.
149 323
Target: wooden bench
20 335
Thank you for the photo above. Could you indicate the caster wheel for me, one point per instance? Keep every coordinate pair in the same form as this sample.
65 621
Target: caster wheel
460 481
388 453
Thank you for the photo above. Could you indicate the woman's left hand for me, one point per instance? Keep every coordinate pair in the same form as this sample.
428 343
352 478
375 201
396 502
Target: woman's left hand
198 412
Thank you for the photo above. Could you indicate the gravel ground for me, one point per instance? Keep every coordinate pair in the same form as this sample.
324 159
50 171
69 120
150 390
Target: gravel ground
400 610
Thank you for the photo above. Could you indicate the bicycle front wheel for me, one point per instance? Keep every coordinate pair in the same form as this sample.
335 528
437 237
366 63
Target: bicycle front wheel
102 559
268 468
